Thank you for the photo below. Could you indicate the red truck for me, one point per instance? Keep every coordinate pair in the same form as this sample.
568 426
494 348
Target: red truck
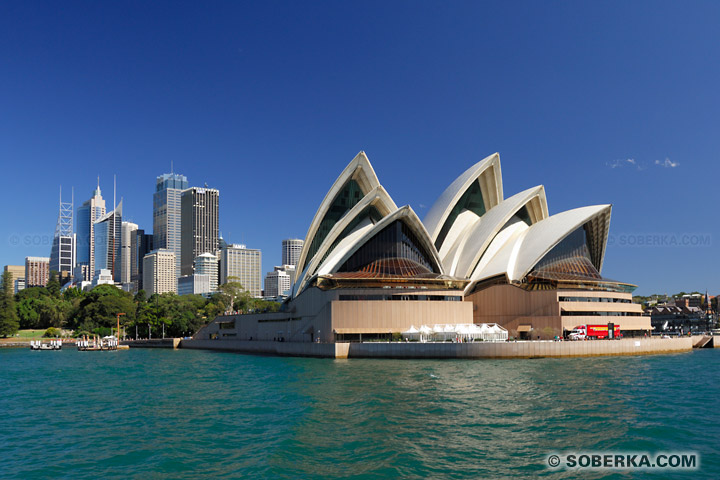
581 332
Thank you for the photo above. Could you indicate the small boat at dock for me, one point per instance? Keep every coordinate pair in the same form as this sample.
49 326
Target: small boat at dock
51 345
97 344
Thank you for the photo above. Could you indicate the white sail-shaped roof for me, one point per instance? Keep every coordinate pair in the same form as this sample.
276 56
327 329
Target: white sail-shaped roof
377 198
525 247
470 233
357 239
489 178
479 237
359 170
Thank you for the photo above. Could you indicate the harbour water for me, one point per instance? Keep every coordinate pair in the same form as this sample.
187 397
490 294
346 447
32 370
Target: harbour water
198 414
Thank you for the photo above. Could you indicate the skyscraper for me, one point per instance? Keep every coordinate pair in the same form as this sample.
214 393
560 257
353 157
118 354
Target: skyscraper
159 272
167 214
277 283
128 232
207 264
37 271
88 213
243 265
107 240
291 248
62 252
141 245
200 230
17 274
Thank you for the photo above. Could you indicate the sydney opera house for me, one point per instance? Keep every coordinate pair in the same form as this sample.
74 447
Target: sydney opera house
369 269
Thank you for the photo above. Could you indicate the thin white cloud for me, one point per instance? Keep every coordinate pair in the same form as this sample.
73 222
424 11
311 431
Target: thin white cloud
640 165
667 163
624 163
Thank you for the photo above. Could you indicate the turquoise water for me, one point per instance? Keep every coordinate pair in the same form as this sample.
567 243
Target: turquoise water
195 414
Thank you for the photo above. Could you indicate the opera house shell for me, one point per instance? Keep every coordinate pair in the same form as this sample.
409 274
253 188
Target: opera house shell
370 269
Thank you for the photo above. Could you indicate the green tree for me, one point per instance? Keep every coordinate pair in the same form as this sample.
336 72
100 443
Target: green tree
229 294
140 297
71 294
8 316
52 332
185 314
52 312
31 292
27 312
214 307
99 308
53 286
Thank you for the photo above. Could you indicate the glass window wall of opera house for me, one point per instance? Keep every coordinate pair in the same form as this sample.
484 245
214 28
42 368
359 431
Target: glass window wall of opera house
370 269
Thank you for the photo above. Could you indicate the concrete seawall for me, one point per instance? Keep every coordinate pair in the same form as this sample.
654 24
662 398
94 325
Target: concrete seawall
292 349
628 346
153 343
644 346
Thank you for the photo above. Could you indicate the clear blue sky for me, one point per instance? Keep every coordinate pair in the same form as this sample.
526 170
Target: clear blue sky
603 102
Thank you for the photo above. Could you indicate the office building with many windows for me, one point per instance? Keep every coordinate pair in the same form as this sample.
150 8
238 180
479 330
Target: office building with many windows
167 213
141 244
291 249
129 230
159 272
108 240
63 250
17 275
87 214
244 265
200 225
194 285
277 283
37 271
207 264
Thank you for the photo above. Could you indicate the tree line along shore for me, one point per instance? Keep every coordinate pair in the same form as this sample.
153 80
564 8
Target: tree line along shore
73 312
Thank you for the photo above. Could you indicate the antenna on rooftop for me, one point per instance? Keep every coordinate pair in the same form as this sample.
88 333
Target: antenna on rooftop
172 170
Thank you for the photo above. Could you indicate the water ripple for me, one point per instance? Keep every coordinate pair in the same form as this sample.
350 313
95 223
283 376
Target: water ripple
190 414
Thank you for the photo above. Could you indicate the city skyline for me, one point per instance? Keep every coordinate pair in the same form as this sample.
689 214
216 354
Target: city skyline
606 103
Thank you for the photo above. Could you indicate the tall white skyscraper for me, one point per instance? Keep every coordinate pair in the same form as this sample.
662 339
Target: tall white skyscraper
87 214
207 264
129 230
107 241
245 265
167 213
291 248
